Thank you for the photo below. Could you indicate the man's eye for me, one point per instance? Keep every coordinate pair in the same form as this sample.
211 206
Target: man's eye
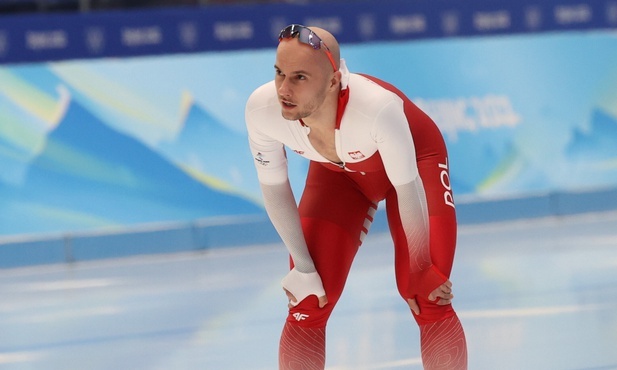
301 77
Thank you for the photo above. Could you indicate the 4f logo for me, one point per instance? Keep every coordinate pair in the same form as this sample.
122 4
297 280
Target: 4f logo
300 316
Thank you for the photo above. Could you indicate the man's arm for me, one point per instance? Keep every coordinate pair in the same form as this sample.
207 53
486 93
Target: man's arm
279 202
281 207
397 150
424 277
303 280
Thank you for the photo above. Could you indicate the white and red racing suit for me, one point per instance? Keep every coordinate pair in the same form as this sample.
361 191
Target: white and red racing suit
390 150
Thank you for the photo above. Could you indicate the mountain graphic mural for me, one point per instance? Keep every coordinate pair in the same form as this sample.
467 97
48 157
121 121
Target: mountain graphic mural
489 158
599 142
89 175
593 152
213 153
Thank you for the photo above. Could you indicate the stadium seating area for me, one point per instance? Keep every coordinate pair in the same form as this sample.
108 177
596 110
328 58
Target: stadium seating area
26 6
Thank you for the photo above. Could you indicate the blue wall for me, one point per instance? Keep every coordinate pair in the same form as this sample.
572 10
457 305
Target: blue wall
122 133
203 235
45 37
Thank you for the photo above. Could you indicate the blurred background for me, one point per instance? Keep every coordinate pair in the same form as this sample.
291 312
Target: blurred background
125 118
131 219
21 6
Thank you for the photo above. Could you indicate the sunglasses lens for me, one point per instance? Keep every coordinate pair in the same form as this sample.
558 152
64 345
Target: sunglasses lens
304 34
289 32
308 37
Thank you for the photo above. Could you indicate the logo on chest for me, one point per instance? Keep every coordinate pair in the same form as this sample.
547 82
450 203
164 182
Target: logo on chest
356 155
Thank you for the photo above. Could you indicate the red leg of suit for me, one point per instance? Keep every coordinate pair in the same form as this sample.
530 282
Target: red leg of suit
334 210
441 333
333 215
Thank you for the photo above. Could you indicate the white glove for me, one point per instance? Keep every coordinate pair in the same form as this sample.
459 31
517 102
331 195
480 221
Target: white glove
302 285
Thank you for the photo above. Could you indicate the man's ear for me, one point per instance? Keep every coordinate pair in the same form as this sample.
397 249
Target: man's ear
335 81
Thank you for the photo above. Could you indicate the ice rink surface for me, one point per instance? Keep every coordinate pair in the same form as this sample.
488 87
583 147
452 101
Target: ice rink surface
531 294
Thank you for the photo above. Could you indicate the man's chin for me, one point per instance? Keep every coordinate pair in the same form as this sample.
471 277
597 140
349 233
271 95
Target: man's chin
290 117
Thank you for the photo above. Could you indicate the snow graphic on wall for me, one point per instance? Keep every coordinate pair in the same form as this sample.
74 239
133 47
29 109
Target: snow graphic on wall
64 168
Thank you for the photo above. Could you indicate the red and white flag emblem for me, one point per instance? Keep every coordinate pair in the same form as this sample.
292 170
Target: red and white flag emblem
356 155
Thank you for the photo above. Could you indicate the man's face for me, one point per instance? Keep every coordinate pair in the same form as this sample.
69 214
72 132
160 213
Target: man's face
300 79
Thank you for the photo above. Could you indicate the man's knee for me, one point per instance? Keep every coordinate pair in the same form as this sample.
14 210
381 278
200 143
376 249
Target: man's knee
308 314
431 312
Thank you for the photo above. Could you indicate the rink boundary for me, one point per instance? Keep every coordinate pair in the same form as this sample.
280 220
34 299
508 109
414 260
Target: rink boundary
202 235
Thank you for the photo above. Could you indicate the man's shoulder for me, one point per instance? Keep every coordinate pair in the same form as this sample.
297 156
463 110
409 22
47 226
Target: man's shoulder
367 91
262 97
262 111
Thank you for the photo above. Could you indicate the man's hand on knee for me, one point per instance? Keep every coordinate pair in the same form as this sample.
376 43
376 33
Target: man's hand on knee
299 285
441 296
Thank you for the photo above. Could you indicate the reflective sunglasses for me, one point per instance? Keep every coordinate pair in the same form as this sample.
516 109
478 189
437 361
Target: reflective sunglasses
306 36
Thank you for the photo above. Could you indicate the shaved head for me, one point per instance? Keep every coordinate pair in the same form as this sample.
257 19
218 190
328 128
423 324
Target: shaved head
330 42
307 81
320 57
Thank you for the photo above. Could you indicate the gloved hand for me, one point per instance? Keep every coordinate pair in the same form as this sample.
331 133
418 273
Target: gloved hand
299 285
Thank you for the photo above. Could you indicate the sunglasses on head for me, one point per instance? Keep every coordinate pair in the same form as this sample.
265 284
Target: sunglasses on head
306 36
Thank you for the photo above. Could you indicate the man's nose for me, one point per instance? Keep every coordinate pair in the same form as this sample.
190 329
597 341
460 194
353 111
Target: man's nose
284 88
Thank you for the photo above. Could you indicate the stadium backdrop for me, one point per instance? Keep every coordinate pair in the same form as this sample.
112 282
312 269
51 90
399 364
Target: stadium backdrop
128 125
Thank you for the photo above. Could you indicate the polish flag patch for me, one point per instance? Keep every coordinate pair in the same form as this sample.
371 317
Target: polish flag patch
356 155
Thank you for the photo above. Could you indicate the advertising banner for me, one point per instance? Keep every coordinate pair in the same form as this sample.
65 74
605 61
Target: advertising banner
57 36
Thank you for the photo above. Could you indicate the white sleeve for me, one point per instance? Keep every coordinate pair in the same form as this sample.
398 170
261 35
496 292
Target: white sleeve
395 143
303 280
271 164
283 212
268 153
414 216
397 150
